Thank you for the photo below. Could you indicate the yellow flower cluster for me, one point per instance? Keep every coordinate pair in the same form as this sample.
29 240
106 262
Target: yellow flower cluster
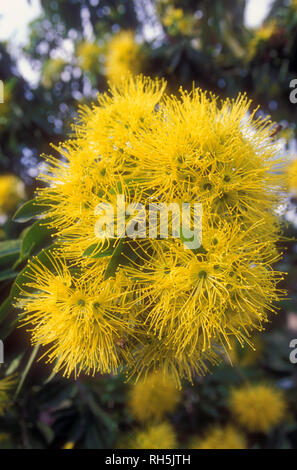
227 437
12 192
4 437
6 385
258 408
156 436
292 177
153 398
177 21
123 57
6 96
69 445
152 304
88 54
51 71
261 36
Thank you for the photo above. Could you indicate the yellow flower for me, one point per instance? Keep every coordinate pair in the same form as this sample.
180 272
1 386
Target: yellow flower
292 177
172 15
69 445
6 106
177 21
178 306
227 437
51 71
177 284
156 436
6 385
12 192
5 442
88 56
154 397
258 408
123 57
101 162
261 36
84 320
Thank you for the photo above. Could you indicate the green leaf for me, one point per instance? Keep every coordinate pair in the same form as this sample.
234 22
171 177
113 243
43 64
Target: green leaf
26 370
29 211
115 259
34 238
9 251
92 251
46 431
22 278
7 274
14 364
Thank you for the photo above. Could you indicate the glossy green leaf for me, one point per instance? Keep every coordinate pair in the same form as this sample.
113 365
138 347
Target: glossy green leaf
115 259
29 211
92 251
9 251
34 238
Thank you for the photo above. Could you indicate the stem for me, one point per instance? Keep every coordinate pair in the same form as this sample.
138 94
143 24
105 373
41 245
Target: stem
27 368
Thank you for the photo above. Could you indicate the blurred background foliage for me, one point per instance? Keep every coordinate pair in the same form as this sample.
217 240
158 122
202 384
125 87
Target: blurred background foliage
74 48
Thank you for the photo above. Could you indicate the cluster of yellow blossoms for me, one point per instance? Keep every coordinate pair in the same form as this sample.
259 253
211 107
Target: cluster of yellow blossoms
123 57
150 304
12 192
6 103
178 22
221 437
155 436
148 402
152 398
258 408
261 36
88 54
292 177
255 408
52 70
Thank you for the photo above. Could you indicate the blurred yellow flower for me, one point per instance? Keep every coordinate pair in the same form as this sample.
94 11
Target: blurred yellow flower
6 106
89 55
156 436
177 21
218 437
123 57
69 445
258 408
261 36
12 192
172 15
51 71
153 397
292 177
